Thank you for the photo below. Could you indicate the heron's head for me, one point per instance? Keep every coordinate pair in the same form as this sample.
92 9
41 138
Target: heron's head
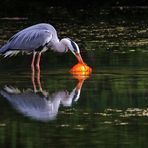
73 47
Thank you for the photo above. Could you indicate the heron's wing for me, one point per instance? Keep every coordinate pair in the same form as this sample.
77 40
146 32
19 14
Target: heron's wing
29 103
27 100
29 40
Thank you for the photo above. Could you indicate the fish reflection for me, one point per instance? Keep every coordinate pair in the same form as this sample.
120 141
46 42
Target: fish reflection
40 105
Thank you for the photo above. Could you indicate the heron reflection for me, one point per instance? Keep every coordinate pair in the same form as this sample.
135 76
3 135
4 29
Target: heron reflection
39 104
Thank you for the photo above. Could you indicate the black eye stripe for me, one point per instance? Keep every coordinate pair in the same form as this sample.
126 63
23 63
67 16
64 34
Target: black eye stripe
75 95
73 45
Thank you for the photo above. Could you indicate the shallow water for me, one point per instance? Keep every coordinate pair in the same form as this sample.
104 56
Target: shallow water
109 110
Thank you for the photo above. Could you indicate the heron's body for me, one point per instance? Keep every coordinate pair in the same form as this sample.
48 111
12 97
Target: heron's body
34 38
37 39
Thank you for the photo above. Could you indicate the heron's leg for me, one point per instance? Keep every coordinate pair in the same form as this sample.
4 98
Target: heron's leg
38 80
38 61
33 59
33 71
33 81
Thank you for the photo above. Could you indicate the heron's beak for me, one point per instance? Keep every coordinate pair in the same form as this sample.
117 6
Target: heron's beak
79 58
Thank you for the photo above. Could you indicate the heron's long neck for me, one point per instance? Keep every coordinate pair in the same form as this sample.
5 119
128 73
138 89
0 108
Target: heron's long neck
58 46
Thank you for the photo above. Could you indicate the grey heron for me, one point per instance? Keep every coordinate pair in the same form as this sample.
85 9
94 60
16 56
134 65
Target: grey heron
37 39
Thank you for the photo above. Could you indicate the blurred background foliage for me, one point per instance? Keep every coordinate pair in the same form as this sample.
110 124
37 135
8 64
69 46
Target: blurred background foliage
43 8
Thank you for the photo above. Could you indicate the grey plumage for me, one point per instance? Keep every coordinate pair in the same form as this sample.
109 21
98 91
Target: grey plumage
30 39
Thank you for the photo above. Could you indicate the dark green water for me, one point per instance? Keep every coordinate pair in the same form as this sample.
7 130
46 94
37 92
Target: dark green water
112 109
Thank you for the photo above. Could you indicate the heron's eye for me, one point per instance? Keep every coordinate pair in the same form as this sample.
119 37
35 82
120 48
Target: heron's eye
66 49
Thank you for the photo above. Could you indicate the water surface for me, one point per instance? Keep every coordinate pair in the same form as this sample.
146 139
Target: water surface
110 109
